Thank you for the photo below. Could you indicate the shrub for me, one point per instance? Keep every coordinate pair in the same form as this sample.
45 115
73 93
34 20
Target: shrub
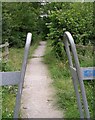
77 19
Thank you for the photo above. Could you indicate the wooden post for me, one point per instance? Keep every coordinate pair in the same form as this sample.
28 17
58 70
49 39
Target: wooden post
6 51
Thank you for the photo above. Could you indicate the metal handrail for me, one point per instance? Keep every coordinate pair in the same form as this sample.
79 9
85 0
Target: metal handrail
68 39
17 77
23 69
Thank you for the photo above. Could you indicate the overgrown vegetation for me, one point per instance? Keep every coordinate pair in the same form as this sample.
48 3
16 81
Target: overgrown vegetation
77 18
9 92
19 18
59 71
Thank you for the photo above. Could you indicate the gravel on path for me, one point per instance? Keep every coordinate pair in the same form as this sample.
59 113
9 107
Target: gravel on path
38 94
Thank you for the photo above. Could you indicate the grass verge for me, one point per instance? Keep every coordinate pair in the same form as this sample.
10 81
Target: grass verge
9 92
59 72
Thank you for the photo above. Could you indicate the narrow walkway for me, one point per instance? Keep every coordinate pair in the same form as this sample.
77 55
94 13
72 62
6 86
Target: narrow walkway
38 94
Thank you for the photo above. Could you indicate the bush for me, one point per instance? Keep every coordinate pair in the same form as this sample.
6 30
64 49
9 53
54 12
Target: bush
77 19
19 18
5 66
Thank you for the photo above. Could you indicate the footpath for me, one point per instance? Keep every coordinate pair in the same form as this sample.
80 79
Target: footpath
38 97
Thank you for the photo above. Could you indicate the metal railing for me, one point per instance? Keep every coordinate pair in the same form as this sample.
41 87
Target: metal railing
78 74
17 78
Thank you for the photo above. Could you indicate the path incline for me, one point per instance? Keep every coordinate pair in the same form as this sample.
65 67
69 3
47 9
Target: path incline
38 95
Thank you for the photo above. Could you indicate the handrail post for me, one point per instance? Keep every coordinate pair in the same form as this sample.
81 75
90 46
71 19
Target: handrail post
69 39
23 69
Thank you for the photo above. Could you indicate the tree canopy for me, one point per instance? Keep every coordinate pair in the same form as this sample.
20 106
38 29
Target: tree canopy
22 17
18 19
77 18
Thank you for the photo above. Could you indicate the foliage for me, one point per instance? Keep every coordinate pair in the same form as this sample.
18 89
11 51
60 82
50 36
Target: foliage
5 66
19 18
77 18
14 64
60 73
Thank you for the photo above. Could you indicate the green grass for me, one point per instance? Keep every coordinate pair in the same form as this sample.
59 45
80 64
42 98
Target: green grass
59 72
8 103
9 92
16 56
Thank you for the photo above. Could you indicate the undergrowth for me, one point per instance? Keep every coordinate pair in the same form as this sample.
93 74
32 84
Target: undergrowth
60 73
14 63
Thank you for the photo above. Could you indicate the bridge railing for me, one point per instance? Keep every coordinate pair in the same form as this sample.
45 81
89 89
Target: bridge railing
79 74
17 78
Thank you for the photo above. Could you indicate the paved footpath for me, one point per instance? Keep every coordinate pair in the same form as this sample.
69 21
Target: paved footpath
38 94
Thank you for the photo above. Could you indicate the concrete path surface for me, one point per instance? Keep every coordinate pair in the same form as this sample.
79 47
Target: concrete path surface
38 94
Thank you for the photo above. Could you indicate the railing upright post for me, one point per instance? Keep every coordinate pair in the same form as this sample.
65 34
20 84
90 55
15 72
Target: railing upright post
23 69
69 38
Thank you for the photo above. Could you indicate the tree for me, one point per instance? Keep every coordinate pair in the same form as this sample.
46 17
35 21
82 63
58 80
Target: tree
18 19
77 18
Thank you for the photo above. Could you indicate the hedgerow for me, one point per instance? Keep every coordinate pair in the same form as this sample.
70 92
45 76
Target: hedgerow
77 19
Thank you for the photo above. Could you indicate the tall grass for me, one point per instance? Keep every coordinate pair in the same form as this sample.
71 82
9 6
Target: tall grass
59 71
14 64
